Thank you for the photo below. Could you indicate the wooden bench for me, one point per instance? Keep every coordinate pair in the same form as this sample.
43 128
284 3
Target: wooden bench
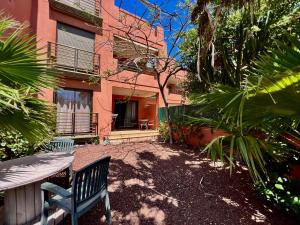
89 186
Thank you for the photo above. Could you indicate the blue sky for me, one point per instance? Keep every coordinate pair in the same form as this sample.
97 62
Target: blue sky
136 7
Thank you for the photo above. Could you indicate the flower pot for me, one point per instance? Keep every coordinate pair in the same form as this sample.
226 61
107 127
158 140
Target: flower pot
295 171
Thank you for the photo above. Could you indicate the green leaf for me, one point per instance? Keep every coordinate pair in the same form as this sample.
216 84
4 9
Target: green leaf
279 186
280 180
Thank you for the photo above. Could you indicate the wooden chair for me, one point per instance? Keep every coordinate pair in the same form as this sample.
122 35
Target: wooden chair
143 124
61 145
150 124
89 187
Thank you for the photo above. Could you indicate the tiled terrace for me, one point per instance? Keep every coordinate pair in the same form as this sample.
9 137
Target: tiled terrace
151 183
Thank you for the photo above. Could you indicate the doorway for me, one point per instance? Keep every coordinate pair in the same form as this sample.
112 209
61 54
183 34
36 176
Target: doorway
127 114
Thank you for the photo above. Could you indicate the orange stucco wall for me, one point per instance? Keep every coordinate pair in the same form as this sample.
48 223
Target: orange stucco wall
43 22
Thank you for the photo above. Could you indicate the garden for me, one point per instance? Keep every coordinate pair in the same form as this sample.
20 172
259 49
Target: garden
231 156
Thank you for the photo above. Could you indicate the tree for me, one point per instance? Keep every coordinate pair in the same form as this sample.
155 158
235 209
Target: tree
163 65
235 36
23 75
259 114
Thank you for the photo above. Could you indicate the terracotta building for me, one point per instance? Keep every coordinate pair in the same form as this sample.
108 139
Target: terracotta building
100 93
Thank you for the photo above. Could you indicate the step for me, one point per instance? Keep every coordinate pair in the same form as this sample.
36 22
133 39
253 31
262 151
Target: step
128 132
117 135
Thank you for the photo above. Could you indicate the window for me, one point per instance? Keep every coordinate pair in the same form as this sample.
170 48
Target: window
74 108
75 48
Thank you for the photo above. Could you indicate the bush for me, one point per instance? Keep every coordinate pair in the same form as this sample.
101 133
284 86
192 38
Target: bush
13 145
283 193
281 188
164 131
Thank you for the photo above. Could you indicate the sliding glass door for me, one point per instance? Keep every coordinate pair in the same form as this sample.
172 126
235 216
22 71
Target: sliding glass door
127 114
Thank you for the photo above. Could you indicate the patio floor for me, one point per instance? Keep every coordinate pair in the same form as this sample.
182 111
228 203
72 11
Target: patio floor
151 183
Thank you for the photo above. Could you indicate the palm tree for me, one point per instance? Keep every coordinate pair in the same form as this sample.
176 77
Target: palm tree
23 76
258 113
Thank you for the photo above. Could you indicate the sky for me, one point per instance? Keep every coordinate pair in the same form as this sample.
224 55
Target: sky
137 8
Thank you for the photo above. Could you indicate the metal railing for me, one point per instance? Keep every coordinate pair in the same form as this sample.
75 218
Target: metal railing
176 90
76 123
131 66
92 7
72 59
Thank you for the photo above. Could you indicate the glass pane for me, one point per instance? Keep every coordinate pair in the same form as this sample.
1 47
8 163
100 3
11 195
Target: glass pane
65 109
73 111
82 112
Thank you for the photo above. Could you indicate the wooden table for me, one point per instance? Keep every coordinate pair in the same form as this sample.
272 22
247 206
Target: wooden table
21 179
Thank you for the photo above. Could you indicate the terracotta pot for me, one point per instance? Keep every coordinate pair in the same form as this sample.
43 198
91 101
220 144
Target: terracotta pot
208 134
291 140
196 136
176 136
193 141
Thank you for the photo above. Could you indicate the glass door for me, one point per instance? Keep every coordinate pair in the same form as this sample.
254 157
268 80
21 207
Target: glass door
73 111
83 112
127 114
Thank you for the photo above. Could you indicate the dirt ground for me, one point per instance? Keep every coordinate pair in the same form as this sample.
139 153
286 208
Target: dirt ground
152 183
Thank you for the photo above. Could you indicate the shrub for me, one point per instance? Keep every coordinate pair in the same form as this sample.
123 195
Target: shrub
164 131
283 193
281 188
14 145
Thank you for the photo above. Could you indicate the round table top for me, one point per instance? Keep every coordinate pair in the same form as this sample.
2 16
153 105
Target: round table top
30 169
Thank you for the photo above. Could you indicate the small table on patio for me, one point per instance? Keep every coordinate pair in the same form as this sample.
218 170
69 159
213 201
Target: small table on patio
21 180
144 123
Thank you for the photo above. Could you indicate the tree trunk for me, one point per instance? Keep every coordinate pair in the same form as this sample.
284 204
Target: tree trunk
199 60
168 116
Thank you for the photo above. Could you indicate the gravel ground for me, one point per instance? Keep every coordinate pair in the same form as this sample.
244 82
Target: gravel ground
152 183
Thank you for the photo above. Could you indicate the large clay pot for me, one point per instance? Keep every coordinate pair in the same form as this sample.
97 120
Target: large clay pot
295 171
195 136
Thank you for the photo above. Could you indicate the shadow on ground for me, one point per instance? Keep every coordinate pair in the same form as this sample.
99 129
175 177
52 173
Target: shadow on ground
156 184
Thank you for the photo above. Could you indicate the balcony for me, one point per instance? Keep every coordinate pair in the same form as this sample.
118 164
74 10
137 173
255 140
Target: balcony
73 61
172 89
143 67
75 124
87 10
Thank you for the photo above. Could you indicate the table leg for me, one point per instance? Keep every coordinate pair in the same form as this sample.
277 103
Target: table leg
22 205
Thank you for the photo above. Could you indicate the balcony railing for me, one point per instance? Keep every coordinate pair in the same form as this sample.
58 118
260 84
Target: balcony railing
76 123
131 66
89 10
175 90
73 60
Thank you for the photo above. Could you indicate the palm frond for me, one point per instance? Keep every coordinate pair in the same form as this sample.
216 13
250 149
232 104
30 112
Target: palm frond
268 103
23 75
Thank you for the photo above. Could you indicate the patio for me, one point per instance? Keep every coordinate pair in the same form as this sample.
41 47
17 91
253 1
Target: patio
152 183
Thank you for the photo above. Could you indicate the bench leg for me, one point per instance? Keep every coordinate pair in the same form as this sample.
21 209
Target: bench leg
107 209
74 220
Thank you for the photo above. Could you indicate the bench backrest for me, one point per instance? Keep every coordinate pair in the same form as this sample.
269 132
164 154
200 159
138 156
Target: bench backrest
90 181
61 145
